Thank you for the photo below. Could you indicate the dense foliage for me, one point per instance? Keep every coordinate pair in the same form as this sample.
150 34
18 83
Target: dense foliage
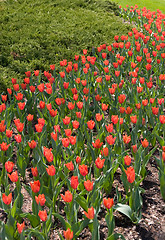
103 112
36 33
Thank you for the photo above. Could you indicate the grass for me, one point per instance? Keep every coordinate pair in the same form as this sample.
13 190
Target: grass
35 34
149 4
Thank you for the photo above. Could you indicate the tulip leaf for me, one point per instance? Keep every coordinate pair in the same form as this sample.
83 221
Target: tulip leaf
49 221
125 209
160 139
110 222
62 220
61 237
47 191
92 152
21 164
2 232
14 208
34 220
35 233
96 226
98 65
116 236
79 226
162 182
83 203
10 227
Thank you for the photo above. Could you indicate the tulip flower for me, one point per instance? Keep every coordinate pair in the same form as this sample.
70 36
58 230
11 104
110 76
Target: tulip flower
42 215
90 213
20 227
40 199
88 185
108 203
68 234
74 182
7 199
67 197
130 172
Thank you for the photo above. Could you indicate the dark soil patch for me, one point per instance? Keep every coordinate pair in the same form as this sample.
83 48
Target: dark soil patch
150 227
152 224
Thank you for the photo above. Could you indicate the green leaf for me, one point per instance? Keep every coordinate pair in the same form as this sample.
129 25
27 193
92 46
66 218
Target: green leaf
34 220
35 233
79 226
96 226
58 188
82 201
61 237
116 236
20 201
47 192
110 222
162 182
118 194
37 154
65 224
10 228
160 139
21 164
58 150
49 221
99 66
125 209
48 202
14 208
41 166
22 237
2 232
91 151
138 199
124 179
147 157
34 207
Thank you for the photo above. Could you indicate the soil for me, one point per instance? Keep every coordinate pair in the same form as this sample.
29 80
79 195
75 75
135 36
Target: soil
152 223
150 227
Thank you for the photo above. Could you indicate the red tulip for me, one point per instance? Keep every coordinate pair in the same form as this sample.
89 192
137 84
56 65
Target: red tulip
51 170
13 177
68 234
42 215
90 213
20 227
130 172
40 199
108 203
88 185
67 197
9 166
35 186
7 199
74 182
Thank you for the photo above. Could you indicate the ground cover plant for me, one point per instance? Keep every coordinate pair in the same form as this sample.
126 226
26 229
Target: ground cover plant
102 114
35 34
152 5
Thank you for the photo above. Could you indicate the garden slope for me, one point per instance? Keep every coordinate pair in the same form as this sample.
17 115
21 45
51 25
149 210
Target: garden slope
152 5
37 34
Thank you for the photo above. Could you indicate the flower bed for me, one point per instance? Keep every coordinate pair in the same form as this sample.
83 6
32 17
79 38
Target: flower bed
101 114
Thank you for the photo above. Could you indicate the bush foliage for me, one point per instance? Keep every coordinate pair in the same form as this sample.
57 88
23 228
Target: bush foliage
35 34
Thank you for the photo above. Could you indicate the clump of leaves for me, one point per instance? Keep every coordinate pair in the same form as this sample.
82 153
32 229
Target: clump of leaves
37 34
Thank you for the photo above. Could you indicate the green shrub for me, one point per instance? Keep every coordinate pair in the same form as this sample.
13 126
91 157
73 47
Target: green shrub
35 34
